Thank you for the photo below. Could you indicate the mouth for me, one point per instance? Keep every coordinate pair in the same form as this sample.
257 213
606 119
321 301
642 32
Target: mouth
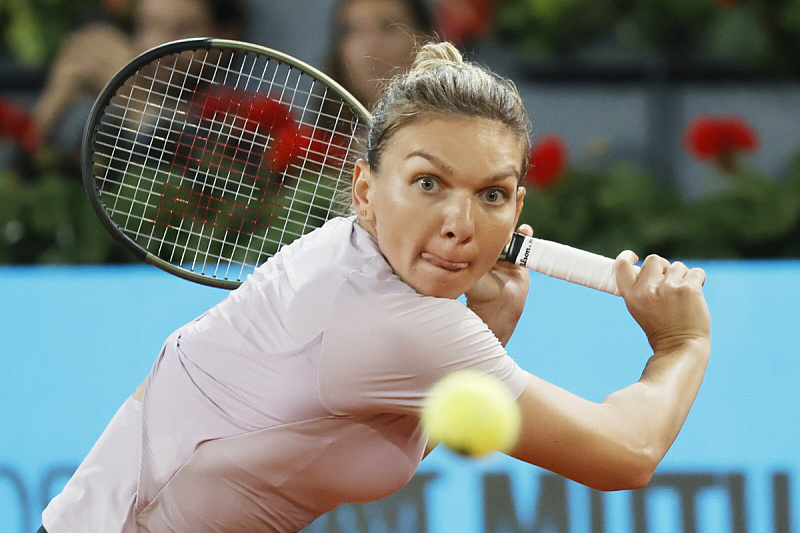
439 262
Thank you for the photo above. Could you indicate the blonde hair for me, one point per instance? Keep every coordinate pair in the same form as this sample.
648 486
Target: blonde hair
441 81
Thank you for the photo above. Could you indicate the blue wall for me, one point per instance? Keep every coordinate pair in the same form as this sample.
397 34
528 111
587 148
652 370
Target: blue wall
76 341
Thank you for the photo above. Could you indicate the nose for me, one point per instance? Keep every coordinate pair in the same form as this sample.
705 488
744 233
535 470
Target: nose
459 221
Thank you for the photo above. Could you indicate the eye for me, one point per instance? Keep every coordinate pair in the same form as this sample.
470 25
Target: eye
427 184
495 196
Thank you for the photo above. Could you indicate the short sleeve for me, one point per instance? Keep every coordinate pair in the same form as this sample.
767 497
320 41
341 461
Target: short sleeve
383 352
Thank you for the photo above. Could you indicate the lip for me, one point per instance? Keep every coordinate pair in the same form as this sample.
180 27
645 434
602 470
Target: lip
437 261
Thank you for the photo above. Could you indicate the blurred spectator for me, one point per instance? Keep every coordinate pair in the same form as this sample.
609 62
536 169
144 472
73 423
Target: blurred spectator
374 39
91 56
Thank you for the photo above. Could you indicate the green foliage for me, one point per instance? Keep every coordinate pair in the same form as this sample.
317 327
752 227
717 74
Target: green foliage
546 26
667 23
755 217
738 35
749 36
33 29
51 221
624 208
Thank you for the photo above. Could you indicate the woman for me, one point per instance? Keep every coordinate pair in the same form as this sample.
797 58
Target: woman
303 388
373 40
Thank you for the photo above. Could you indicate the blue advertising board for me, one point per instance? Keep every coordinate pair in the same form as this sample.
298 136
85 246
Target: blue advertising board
76 341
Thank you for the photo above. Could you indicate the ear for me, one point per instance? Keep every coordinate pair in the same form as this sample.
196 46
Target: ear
521 191
362 189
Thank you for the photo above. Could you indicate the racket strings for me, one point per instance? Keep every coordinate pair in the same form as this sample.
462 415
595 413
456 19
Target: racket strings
338 160
171 91
191 164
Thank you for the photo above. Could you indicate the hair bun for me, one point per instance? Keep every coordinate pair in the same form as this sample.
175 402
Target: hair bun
440 82
432 55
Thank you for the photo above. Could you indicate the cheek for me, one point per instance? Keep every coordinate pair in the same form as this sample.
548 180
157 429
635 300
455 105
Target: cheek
401 225
353 52
497 233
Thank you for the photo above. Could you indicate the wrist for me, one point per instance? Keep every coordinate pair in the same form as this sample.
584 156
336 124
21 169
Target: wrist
698 345
501 320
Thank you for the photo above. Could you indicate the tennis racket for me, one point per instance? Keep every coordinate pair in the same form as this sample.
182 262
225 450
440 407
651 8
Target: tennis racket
205 156
563 262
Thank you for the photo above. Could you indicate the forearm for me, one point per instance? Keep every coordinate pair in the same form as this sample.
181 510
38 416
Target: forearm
86 62
655 408
51 105
615 444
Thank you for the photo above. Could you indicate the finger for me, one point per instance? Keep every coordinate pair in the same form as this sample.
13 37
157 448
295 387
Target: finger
624 271
526 230
677 271
696 275
510 269
654 265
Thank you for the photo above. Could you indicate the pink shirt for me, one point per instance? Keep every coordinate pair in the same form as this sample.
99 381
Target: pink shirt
298 392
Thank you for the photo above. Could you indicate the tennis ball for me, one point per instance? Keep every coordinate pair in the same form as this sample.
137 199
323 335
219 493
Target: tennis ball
472 413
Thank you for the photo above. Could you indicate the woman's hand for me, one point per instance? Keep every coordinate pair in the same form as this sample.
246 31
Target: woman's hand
666 299
499 296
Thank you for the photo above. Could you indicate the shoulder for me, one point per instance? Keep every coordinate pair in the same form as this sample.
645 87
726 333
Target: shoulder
338 245
406 320
383 351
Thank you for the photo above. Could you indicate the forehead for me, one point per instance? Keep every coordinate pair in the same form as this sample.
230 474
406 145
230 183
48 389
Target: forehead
174 10
367 10
463 139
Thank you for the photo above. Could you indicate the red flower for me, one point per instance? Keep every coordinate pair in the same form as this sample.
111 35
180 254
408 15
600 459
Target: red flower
266 113
720 139
463 20
16 125
547 161
260 112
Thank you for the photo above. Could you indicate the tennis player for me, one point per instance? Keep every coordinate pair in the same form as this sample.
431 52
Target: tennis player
302 389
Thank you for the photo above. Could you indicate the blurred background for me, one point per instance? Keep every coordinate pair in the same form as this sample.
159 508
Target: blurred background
666 126
663 126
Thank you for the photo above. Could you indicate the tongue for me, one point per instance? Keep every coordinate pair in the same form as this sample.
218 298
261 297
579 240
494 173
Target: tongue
443 263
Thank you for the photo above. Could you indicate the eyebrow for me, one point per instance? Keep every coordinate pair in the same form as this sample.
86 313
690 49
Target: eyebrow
437 162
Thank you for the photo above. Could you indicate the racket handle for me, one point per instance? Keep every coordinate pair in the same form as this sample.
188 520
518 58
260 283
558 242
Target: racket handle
562 262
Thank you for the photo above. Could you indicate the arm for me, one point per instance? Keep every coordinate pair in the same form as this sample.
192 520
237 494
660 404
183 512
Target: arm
499 296
88 60
617 443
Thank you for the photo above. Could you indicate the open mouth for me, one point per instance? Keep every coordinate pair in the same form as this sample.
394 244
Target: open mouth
437 261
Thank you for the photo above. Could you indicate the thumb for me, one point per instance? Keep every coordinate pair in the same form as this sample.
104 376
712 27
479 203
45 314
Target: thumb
526 230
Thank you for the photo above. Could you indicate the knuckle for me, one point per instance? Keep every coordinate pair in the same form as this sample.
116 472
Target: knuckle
685 289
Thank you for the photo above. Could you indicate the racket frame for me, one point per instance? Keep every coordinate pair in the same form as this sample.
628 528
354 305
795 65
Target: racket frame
104 99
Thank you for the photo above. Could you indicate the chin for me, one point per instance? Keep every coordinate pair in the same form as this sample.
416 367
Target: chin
436 284
439 291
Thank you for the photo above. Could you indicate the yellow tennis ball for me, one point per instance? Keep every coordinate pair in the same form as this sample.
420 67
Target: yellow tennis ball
472 413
